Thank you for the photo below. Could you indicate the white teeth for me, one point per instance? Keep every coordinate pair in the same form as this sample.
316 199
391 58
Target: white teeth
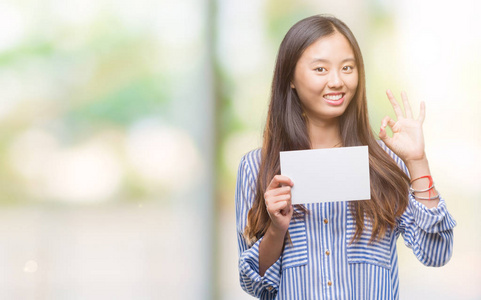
333 97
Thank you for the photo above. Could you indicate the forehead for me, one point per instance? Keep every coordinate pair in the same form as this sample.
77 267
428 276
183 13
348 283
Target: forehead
333 48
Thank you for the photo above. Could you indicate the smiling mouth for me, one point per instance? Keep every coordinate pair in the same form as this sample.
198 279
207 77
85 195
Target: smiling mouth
335 97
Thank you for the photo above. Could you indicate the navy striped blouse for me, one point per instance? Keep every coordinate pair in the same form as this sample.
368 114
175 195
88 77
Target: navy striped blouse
321 263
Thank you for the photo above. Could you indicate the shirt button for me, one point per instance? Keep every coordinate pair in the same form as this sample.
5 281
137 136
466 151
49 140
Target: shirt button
269 288
329 283
327 252
326 221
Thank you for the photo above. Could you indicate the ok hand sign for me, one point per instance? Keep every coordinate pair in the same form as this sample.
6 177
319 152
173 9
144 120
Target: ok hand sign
407 141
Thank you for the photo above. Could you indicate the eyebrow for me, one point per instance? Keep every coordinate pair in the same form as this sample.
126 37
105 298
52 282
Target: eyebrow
327 61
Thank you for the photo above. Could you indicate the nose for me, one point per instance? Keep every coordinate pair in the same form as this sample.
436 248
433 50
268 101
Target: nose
335 80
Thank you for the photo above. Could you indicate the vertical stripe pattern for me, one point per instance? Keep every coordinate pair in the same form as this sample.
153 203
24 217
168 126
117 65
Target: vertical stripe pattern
321 263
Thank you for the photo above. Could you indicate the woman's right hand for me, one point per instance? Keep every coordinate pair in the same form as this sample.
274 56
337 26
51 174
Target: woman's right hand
278 203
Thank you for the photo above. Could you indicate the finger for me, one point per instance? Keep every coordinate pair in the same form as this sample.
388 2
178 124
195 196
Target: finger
407 106
287 210
397 109
277 191
382 133
279 206
422 112
387 121
279 180
274 200
384 137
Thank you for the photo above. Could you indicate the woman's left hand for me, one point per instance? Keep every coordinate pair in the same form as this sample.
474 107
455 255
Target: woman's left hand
407 141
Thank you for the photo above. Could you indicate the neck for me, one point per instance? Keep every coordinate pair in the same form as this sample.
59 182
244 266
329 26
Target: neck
325 134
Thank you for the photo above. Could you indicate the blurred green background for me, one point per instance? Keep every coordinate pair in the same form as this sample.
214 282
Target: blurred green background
122 124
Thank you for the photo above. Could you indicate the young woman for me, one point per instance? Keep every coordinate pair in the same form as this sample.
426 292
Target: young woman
334 250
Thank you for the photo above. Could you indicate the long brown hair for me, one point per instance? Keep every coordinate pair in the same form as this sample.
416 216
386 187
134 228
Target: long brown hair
286 130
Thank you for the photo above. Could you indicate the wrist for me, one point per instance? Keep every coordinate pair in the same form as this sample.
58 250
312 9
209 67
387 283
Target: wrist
277 233
417 162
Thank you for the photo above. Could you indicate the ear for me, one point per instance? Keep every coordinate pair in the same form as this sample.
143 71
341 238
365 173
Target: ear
292 86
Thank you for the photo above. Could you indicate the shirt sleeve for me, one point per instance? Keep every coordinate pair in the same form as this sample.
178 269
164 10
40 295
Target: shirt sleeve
264 287
427 231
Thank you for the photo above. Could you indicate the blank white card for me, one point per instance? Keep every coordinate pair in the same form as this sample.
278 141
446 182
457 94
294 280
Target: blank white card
326 175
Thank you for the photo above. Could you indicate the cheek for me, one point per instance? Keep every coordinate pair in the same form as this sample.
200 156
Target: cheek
314 84
310 86
352 83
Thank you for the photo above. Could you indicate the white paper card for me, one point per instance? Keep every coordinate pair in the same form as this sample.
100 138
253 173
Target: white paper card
326 175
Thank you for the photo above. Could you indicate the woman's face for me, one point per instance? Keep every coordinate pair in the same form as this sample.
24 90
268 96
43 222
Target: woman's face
326 78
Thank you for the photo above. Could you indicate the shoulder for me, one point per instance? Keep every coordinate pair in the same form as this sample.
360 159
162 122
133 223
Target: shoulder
250 163
393 155
385 148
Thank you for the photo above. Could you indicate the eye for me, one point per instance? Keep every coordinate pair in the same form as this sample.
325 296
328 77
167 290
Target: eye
320 69
348 68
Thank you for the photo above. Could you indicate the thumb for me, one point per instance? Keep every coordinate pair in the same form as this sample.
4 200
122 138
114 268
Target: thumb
384 137
382 133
